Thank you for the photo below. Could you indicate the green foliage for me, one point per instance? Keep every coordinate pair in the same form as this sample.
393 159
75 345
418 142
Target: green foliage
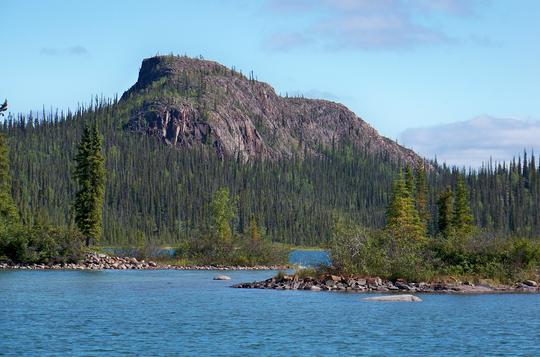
8 210
165 193
422 196
462 218
356 250
398 252
90 176
403 220
40 244
251 248
254 230
445 205
487 256
410 182
223 210
454 212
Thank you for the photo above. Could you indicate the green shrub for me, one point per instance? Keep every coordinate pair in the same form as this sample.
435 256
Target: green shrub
40 244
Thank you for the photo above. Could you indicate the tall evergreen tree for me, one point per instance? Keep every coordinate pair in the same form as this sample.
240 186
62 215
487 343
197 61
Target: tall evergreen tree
409 182
223 209
445 205
8 210
253 230
462 217
402 215
90 176
422 193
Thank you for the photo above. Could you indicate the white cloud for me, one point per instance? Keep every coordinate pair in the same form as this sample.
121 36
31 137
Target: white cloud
471 142
367 24
285 41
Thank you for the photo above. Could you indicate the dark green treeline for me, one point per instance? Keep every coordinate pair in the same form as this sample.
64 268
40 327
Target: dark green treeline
164 194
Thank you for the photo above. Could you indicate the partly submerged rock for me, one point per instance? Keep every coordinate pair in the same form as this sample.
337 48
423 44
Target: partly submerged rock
401 298
222 277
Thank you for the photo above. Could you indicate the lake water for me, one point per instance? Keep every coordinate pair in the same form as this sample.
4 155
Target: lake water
186 313
309 258
304 258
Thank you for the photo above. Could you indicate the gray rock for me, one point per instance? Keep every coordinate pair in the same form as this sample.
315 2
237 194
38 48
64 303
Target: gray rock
222 277
361 282
530 283
315 288
398 298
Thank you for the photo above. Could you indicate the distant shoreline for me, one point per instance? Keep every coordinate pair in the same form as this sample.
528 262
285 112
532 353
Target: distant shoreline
105 262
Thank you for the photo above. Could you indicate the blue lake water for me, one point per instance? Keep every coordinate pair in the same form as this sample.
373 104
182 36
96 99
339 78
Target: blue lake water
305 258
309 258
186 313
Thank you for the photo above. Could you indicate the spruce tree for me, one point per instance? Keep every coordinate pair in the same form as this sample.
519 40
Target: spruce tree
422 196
254 230
402 215
8 210
462 217
90 176
445 205
223 210
409 182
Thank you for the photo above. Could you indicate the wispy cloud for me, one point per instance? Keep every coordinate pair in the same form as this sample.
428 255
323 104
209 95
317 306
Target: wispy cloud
471 142
64 51
367 24
286 41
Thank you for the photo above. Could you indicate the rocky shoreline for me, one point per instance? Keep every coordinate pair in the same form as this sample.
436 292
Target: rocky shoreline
96 261
360 284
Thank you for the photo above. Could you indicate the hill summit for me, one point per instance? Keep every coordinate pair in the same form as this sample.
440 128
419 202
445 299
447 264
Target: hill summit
188 102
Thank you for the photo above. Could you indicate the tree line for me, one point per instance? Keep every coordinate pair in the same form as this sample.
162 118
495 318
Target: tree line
406 248
164 195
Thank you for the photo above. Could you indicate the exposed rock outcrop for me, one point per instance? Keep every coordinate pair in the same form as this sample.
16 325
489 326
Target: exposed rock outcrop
394 298
188 102
222 277
375 284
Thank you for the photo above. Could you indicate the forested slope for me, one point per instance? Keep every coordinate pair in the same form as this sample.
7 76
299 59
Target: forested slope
293 179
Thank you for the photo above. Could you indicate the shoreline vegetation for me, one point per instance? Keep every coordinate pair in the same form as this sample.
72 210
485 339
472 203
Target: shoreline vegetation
98 261
429 232
407 248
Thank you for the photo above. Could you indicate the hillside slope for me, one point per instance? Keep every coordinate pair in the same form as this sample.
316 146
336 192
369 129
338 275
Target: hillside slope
188 102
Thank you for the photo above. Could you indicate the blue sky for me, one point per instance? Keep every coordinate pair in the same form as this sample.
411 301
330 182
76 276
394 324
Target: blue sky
398 64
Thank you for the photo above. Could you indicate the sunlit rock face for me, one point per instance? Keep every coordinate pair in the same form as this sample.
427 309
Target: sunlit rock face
189 102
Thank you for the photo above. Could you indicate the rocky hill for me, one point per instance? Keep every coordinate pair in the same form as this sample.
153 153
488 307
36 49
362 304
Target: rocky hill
189 102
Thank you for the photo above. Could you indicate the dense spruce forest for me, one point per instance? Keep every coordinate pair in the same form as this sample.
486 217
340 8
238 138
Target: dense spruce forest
162 194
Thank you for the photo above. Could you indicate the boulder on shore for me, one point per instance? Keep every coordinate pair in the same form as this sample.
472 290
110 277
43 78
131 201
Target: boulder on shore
222 277
401 298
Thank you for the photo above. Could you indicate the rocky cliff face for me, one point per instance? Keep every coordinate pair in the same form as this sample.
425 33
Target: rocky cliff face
188 102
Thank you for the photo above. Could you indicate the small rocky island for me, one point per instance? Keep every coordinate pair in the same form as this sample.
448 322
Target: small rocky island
375 284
